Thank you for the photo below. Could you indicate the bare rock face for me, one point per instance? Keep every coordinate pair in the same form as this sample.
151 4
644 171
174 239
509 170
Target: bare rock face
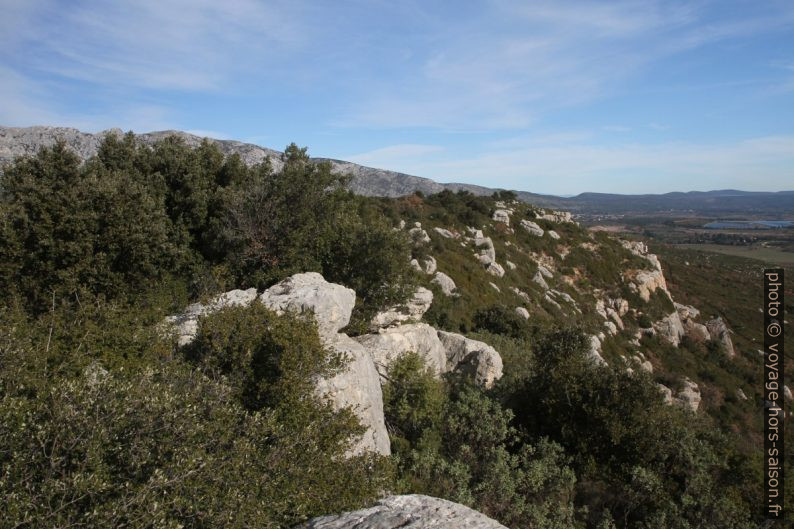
538 278
358 387
689 396
447 234
487 251
521 311
532 228
472 357
720 332
502 215
645 282
411 511
670 328
430 265
330 303
557 216
595 350
554 235
411 311
446 283
495 269
389 344
185 325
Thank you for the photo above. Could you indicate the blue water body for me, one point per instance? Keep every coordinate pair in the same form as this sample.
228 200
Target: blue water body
749 224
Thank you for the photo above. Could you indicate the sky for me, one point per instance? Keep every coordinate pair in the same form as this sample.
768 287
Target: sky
557 97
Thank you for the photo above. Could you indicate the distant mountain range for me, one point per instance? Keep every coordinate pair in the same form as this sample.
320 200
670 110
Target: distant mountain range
370 181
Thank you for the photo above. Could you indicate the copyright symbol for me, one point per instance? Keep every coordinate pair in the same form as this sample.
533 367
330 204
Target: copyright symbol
773 329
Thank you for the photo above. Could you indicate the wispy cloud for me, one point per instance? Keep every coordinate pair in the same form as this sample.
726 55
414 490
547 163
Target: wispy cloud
764 163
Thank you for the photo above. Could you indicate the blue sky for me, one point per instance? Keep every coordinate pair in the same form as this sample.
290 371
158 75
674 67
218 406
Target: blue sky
550 97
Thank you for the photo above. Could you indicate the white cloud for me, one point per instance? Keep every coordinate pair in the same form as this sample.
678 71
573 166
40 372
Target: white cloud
401 157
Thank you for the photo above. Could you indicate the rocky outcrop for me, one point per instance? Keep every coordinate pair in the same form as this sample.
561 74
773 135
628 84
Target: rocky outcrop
430 265
538 279
521 311
472 357
309 292
413 310
418 235
595 350
719 332
330 305
495 269
557 216
412 511
554 235
445 282
670 328
502 215
358 387
185 326
532 228
447 234
389 344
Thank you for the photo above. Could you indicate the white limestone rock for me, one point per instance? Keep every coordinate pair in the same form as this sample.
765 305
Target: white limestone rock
502 215
185 326
447 234
494 286
418 235
554 235
413 310
521 311
510 265
472 357
446 283
670 328
545 272
415 265
309 292
412 511
719 332
495 269
358 387
595 350
430 265
538 278
532 228
389 344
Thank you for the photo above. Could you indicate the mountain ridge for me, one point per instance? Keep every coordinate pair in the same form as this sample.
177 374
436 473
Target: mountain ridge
370 181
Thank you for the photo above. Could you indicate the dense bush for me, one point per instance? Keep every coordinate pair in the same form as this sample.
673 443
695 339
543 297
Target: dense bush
241 442
453 441
649 464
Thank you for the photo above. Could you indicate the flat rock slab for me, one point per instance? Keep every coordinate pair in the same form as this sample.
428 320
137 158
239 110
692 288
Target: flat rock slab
411 511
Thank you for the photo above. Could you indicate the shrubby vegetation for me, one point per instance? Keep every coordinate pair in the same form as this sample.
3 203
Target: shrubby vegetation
104 423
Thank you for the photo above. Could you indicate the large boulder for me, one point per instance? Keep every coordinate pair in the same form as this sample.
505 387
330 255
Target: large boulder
330 303
689 395
446 283
412 511
471 357
502 215
719 332
670 328
412 310
532 228
358 387
388 344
